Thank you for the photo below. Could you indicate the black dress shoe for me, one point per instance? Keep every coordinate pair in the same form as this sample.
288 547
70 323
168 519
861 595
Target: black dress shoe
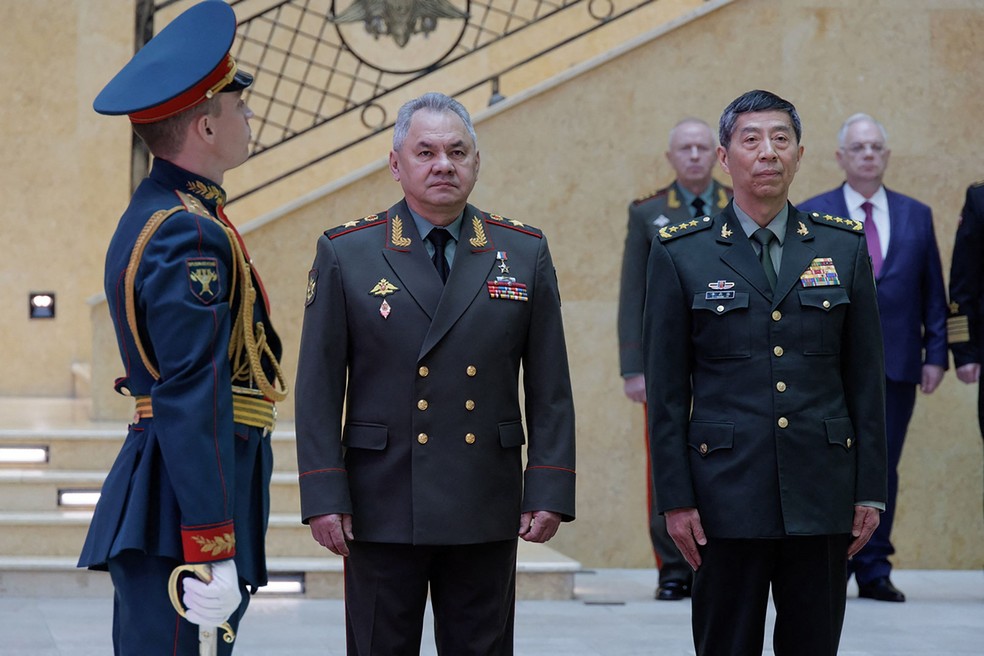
881 589
672 591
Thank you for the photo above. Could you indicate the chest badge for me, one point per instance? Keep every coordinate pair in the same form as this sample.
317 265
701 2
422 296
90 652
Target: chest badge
382 289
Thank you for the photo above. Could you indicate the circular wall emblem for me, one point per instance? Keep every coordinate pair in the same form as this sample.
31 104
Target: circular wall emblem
400 36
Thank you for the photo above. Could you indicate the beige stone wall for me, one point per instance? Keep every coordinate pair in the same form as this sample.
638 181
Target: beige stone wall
64 176
567 158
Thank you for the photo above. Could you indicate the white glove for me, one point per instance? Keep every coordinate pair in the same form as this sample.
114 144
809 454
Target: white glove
211 604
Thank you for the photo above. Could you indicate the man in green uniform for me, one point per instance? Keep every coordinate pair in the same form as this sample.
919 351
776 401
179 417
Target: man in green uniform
765 386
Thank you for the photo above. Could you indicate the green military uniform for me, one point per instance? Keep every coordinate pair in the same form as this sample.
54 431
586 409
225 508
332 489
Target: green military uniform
428 458
766 409
646 216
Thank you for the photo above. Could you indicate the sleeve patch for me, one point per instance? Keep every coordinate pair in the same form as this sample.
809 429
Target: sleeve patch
203 278
312 287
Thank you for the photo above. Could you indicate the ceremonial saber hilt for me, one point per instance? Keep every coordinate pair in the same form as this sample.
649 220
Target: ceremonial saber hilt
203 572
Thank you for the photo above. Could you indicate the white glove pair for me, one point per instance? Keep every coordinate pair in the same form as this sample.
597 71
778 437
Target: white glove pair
210 604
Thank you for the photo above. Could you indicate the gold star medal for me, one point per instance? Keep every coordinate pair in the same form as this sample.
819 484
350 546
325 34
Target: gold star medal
384 288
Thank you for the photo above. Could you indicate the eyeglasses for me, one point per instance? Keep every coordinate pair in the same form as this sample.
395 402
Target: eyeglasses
860 148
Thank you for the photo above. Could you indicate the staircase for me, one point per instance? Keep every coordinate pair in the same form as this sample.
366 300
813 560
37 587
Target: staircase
40 538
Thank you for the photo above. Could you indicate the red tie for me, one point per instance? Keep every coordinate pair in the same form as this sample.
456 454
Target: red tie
871 235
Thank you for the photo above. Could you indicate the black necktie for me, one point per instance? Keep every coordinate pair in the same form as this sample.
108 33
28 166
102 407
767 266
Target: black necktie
439 237
764 237
698 204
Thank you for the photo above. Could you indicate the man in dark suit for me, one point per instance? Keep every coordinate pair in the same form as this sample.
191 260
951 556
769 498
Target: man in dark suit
424 488
764 380
694 193
911 303
190 486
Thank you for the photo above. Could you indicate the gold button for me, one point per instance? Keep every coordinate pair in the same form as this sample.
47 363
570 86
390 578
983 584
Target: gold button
470 438
469 405
783 422
849 443
776 315
422 404
471 370
703 448
424 372
781 386
778 351
826 304
422 438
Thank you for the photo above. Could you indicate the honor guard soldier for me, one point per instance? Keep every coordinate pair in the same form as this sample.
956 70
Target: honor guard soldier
189 491
420 320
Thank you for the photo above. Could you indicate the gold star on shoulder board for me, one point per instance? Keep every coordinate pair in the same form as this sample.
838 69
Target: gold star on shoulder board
350 224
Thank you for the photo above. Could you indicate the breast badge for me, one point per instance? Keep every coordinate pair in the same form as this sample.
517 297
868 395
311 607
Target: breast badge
820 273
722 290
384 288
203 278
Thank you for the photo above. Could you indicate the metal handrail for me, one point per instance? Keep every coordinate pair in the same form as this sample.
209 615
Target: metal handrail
311 71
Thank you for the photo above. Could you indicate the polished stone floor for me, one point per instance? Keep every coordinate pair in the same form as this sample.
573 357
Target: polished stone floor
613 614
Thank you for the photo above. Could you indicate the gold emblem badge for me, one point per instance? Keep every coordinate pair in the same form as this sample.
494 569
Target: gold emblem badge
479 240
397 235
802 230
218 545
208 192
672 201
725 232
383 288
722 201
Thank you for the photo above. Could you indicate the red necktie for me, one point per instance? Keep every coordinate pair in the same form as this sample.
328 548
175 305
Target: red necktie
871 235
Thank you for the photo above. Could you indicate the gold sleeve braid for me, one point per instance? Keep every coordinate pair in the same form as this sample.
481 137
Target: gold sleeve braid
246 341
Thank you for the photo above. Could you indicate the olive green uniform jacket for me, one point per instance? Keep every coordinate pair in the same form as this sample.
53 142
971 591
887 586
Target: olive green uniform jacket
766 410
646 216
430 448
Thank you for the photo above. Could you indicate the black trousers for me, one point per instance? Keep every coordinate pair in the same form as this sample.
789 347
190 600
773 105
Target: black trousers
808 579
144 621
472 590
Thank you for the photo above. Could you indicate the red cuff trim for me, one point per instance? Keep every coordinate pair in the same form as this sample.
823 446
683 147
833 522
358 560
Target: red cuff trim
202 544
